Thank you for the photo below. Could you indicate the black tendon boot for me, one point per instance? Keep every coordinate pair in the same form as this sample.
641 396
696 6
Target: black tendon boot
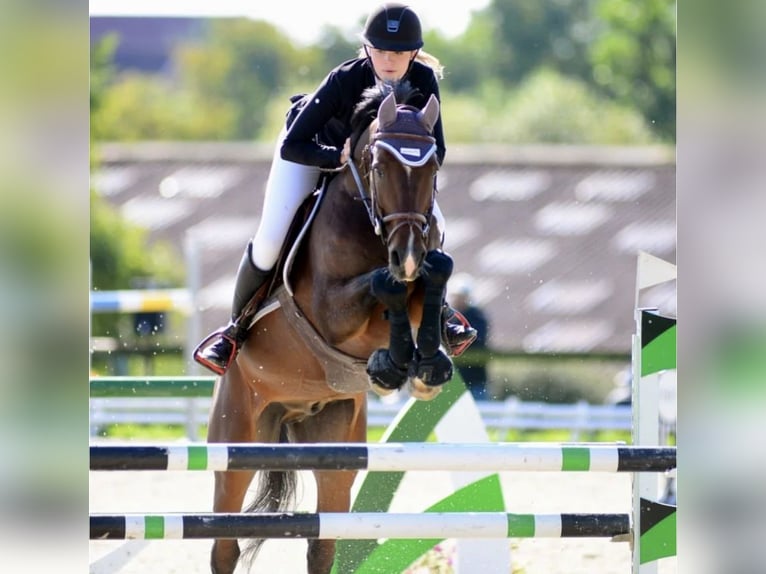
457 333
218 349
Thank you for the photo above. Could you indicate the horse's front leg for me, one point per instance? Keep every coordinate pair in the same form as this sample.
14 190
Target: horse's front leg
431 367
388 368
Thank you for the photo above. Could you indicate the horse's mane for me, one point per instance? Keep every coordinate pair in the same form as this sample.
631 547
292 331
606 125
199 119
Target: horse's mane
367 109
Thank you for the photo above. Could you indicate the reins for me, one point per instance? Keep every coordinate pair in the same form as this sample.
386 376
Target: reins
379 222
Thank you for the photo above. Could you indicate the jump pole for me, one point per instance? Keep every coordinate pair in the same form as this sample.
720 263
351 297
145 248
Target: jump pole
358 526
494 457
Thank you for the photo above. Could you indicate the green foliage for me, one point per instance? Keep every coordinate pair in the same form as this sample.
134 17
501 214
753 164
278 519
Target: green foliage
244 63
546 108
120 255
101 69
119 252
553 379
528 34
634 58
529 71
140 107
468 61
334 47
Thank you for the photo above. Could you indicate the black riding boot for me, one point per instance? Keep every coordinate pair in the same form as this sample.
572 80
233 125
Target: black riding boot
218 356
457 333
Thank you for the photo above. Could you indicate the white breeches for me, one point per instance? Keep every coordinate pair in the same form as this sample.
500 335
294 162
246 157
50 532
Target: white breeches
288 185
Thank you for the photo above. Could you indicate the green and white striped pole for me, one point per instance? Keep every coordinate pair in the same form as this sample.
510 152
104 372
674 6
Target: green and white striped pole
357 526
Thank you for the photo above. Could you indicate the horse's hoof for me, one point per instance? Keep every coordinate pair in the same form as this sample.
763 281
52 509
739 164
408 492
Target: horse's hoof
380 391
432 371
423 392
385 376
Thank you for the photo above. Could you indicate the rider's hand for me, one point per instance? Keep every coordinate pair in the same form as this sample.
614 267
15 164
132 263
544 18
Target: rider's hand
345 152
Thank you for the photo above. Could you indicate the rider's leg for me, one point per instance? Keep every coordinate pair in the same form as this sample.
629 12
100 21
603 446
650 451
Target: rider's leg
287 186
456 330
218 355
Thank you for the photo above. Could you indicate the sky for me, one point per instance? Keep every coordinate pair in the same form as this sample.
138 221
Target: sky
300 19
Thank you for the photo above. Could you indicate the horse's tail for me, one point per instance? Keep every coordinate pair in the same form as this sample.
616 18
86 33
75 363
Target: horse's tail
275 493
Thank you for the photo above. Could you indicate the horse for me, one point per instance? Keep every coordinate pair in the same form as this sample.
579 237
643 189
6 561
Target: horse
368 273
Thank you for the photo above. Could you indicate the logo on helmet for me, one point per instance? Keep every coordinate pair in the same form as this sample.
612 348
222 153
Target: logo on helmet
392 26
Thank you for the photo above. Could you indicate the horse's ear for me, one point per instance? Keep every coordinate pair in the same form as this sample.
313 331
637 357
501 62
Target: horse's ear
429 115
387 111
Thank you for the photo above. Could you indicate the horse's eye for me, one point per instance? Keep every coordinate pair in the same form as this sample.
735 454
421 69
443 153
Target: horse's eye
377 170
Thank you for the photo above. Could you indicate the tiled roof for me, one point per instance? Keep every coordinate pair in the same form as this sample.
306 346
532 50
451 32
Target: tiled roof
550 234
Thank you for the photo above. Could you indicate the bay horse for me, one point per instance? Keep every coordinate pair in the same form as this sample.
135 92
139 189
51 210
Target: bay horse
369 272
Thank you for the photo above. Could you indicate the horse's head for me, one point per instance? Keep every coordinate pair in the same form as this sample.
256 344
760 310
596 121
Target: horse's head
400 164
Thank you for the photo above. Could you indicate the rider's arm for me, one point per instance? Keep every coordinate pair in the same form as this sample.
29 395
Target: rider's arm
300 144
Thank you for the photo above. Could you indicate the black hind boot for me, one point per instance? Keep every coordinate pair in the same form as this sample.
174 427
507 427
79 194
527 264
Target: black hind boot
220 348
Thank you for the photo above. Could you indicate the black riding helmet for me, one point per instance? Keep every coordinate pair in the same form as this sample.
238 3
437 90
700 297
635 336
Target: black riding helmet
393 27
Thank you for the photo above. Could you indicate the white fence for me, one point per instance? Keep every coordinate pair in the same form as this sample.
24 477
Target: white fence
577 418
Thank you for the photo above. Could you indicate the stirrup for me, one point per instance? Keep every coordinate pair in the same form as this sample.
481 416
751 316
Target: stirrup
457 333
209 341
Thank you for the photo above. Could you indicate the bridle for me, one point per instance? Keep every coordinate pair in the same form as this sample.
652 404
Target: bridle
387 140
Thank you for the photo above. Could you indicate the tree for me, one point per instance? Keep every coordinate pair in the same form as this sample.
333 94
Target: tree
101 69
334 47
634 58
119 251
528 34
547 107
142 107
244 64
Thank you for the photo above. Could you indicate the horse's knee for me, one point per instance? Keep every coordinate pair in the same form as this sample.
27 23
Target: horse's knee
224 556
389 291
439 266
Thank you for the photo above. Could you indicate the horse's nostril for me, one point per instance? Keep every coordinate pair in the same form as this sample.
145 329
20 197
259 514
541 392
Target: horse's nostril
394 258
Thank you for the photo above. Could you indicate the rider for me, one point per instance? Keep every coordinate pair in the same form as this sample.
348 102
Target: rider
317 139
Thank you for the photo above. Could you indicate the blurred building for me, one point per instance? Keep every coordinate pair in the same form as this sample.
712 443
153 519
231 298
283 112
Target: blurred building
550 234
145 44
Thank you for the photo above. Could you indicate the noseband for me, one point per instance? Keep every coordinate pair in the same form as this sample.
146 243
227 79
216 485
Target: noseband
417 154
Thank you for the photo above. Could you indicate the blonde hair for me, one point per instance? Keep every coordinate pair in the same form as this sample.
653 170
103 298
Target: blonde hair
423 57
432 62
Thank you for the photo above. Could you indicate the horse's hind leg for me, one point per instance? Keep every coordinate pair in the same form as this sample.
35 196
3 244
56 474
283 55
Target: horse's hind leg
342 421
231 420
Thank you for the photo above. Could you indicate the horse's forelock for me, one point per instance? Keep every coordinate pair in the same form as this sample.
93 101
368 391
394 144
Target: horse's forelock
367 109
